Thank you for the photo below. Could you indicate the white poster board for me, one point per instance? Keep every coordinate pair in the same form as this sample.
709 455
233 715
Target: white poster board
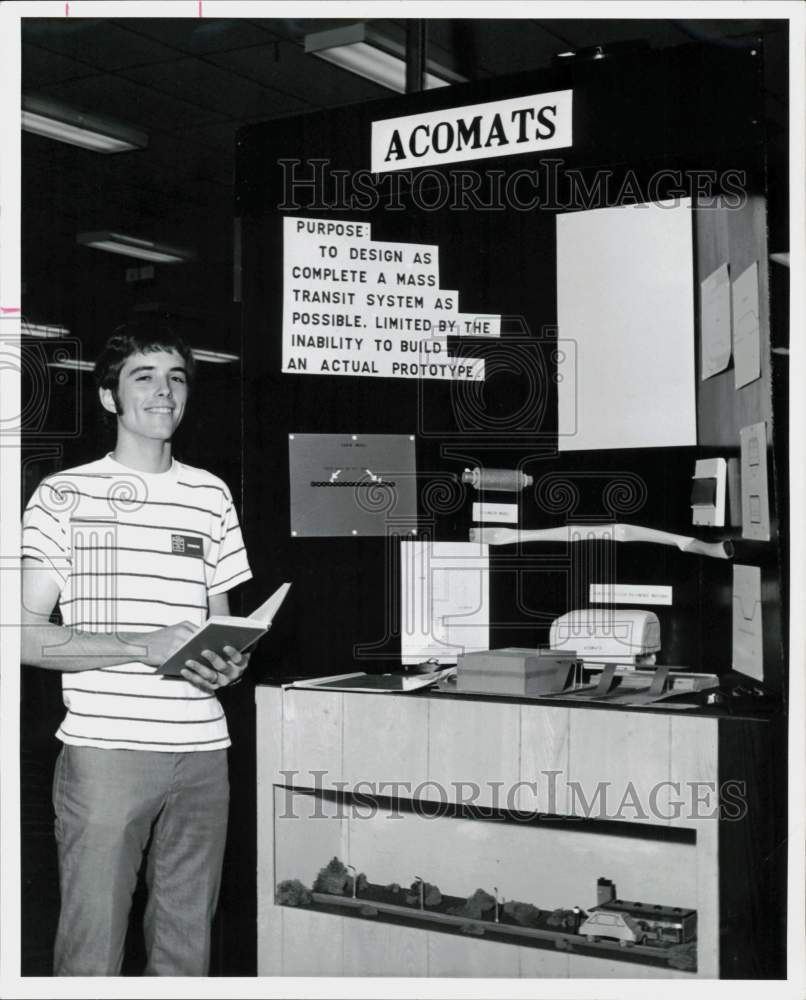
625 307
444 600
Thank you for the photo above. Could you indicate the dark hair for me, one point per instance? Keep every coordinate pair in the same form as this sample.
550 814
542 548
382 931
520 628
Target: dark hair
138 337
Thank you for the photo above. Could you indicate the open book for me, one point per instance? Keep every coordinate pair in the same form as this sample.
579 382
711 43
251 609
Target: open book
226 630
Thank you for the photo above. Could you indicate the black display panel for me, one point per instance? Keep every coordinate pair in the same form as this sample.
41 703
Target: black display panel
670 125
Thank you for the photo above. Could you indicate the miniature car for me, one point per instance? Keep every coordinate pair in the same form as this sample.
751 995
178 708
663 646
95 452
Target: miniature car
606 924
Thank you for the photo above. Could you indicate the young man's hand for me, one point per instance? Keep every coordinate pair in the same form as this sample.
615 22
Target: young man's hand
218 671
162 643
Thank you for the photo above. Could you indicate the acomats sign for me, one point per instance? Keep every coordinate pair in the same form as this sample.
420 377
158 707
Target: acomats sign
479 131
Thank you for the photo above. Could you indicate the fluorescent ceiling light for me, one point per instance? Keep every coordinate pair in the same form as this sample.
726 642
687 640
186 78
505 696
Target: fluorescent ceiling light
45 331
78 128
130 246
216 357
365 52
73 364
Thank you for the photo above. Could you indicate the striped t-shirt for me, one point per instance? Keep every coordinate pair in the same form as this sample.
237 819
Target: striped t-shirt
132 552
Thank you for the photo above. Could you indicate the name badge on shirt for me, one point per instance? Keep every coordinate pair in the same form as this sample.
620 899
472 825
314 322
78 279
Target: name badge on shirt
187 545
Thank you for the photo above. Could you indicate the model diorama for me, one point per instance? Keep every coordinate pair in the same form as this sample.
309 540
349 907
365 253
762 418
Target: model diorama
637 932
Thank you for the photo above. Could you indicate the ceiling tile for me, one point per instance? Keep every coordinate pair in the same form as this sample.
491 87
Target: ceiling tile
200 82
288 69
501 47
296 28
130 102
712 31
220 136
95 42
40 67
583 32
197 36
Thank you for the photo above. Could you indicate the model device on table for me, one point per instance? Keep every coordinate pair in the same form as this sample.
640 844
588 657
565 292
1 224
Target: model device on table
595 654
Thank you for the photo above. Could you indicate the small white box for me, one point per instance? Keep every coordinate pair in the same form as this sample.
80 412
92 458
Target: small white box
712 510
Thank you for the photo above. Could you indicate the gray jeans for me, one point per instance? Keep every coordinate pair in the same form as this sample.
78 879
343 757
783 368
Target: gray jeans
112 805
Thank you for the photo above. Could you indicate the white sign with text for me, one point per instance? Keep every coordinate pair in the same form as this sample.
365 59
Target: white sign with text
630 593
531 124
357 306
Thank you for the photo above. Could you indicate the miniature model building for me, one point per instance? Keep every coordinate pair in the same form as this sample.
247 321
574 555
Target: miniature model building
662 935
637 923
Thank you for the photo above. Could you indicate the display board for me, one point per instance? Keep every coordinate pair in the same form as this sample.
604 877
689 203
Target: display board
445 300
352 484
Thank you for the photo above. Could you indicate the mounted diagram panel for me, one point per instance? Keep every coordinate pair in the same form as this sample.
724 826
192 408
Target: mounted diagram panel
352 484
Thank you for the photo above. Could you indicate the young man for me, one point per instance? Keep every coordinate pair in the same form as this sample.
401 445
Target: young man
137 549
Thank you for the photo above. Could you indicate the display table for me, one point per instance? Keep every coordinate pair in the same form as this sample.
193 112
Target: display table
531 801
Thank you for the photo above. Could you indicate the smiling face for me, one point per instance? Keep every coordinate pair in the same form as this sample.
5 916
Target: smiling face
152 393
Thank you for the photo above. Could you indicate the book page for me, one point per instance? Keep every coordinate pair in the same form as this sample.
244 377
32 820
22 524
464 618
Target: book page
266 612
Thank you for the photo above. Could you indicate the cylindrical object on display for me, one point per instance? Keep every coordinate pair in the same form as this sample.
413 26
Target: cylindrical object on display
503 480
